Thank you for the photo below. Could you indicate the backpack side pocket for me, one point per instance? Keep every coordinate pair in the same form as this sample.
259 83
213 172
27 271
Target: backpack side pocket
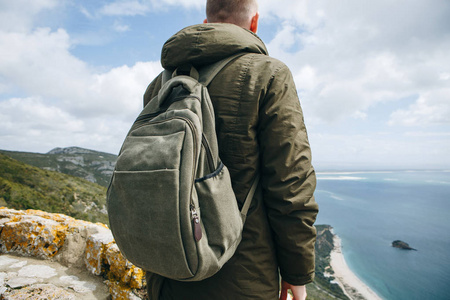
220 214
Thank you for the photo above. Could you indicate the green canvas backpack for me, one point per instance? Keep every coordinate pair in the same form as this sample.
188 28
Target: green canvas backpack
171 206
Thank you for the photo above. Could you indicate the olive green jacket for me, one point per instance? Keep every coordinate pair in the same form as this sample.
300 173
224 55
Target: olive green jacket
260 129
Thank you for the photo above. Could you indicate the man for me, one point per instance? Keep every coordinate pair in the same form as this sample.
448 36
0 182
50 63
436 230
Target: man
260 129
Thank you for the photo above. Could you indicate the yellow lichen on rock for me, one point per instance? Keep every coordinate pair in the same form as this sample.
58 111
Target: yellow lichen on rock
73 243
137 280
122 270
95 252
60 218
120 292
32 235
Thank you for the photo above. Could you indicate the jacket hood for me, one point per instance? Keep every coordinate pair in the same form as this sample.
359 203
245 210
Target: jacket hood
207 43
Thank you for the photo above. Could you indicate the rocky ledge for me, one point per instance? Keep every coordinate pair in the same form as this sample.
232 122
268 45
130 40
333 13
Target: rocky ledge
402 245
67 242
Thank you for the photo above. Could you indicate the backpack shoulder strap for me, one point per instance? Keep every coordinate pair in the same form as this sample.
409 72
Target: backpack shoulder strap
208 73
165 76
249 197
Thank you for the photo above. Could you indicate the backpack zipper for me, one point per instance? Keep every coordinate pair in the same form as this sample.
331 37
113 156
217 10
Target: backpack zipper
194 215
196 224
149 115
154 114
208 154
197 229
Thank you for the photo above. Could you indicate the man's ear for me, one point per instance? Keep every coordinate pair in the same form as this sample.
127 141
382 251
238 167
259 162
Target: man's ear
254 23
205 21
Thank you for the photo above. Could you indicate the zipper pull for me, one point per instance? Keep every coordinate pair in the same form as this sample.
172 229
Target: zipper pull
196 224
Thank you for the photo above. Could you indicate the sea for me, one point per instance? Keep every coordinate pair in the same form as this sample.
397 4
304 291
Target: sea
369 210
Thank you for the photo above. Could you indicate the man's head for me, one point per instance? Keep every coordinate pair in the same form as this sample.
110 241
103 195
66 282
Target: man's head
243 13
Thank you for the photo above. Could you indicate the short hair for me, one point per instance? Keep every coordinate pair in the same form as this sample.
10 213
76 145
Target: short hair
238 12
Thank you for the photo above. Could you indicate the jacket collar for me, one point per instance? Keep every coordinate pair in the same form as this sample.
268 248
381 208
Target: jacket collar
207 43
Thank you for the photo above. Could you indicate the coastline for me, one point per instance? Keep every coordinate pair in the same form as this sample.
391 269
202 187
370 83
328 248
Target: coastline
352 286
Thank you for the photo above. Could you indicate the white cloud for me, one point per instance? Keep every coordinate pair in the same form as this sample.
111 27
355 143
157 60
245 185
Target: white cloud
68 102
20 114
86 12
306 78
354 55
286 9
99 120
444 76
120 27
18 15
286 38
360 115
134 7
184 3
125 8
119 91
380 151
40 63
430 109
427 134
31 124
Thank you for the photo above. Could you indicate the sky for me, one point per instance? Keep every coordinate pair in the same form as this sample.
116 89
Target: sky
373 77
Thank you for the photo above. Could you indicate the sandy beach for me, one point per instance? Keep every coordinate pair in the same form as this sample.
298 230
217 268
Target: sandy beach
353 287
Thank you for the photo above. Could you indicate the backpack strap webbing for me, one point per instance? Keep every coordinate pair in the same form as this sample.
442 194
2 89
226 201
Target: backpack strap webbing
250 195
165 76
208 73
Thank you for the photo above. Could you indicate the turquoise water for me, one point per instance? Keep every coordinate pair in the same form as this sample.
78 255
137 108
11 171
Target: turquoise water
370 210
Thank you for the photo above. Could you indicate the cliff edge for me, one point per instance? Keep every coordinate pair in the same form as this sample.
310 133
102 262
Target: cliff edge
71 243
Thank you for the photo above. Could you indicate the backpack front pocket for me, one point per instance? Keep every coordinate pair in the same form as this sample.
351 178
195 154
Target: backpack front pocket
152 218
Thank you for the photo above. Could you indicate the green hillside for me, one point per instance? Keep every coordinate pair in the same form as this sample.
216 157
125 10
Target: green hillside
24 186
91 165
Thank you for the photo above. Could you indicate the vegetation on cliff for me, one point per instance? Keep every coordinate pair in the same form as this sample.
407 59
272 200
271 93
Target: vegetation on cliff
24 186
91 165
323 287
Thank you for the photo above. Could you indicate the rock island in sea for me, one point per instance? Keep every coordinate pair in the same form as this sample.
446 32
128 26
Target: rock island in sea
402 245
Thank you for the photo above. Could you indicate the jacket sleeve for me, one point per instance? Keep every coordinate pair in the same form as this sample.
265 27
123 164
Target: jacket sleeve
288 178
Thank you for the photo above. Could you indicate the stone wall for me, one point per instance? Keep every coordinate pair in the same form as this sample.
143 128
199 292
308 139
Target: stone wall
71 242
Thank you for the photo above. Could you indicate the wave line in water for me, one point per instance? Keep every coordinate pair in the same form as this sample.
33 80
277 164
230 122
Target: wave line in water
340 178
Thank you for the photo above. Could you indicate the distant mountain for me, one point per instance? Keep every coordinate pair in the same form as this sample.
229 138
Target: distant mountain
91 165
23 186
